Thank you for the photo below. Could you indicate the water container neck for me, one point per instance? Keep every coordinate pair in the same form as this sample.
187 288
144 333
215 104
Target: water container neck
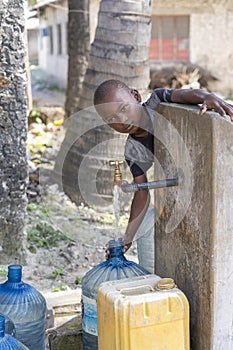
2 326
116 249
14 273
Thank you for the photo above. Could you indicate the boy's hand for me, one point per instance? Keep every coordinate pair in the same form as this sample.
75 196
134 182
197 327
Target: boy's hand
127 242
212 101
126 246
107 253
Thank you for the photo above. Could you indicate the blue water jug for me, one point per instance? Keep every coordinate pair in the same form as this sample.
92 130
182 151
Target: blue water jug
9 326
115 268
26 307
7 342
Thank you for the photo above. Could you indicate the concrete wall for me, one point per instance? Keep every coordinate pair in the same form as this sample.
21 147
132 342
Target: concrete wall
193 239
211 32
212 46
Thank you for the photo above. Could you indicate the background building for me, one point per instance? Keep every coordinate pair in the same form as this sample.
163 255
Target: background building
198 32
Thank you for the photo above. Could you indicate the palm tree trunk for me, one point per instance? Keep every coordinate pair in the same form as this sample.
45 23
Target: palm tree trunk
121 46
78 50
13 132
120 51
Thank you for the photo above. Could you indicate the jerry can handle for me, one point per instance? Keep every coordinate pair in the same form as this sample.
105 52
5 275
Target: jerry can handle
136 288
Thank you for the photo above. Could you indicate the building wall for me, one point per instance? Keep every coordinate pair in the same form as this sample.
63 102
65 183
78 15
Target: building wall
94 9
32 35
210 44
56 64
211 32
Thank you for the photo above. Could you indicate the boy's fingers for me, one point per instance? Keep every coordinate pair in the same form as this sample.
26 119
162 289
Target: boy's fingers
204 108
107 252
220 107
229 110
127 246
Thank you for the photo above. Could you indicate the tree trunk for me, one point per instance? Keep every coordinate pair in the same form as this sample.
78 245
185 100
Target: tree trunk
78 50
121 47
119 51
13 135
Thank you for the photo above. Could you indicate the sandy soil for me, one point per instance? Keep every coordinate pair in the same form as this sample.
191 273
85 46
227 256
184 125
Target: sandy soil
86 232
59 265
53 264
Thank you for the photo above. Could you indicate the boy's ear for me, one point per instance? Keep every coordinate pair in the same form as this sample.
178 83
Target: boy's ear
136 95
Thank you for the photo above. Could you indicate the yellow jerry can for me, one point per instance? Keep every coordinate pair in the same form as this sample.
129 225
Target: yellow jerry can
142 313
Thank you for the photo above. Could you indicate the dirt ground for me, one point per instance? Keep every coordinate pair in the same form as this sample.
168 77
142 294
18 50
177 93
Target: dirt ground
64 241
85 231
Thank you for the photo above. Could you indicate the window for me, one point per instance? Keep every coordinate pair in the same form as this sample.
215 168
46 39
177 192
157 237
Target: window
50 28
43 33
169 38
59 39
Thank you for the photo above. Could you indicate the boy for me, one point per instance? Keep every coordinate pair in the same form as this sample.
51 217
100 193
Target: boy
121 108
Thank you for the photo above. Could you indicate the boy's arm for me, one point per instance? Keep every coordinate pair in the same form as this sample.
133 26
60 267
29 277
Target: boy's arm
208 100
138 209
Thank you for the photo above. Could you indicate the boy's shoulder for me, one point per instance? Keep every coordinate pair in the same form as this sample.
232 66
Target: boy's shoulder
138 155
139 149
157 96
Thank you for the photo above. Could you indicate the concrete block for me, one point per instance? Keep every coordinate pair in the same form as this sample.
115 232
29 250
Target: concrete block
65 305
194 223
68 336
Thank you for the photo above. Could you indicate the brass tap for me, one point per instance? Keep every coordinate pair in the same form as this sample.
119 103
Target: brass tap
117 171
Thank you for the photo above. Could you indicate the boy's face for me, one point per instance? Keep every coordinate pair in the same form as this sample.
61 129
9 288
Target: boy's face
121 109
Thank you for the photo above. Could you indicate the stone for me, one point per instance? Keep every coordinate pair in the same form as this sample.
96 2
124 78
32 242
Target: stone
65 304
68 336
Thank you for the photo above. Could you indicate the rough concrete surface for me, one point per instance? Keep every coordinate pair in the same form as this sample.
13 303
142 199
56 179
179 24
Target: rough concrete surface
193 236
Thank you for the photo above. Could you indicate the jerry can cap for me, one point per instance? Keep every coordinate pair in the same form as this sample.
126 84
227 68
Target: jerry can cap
166 284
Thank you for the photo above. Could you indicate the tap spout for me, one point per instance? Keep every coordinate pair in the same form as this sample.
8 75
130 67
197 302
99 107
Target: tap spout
126 187
117 171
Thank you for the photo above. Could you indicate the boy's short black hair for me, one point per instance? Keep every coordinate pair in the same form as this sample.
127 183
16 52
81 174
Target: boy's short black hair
105 87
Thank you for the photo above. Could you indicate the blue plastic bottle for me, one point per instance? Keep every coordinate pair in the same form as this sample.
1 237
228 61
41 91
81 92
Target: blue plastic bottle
7 342
115 268
26 307
9 326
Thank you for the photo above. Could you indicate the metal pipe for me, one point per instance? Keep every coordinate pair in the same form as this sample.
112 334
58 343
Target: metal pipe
126 187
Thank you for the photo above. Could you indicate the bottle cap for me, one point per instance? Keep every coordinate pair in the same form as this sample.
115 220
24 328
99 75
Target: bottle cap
2 326
14 273
166 284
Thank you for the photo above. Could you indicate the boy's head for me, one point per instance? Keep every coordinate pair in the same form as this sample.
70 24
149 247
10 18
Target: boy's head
118 105
105 89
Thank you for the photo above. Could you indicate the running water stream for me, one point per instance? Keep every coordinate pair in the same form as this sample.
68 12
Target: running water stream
116 208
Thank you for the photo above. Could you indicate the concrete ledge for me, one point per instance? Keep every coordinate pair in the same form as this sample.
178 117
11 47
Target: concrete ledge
65 305
68 336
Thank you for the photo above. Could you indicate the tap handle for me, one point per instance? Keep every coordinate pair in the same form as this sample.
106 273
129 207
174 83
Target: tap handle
117 171
116 162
